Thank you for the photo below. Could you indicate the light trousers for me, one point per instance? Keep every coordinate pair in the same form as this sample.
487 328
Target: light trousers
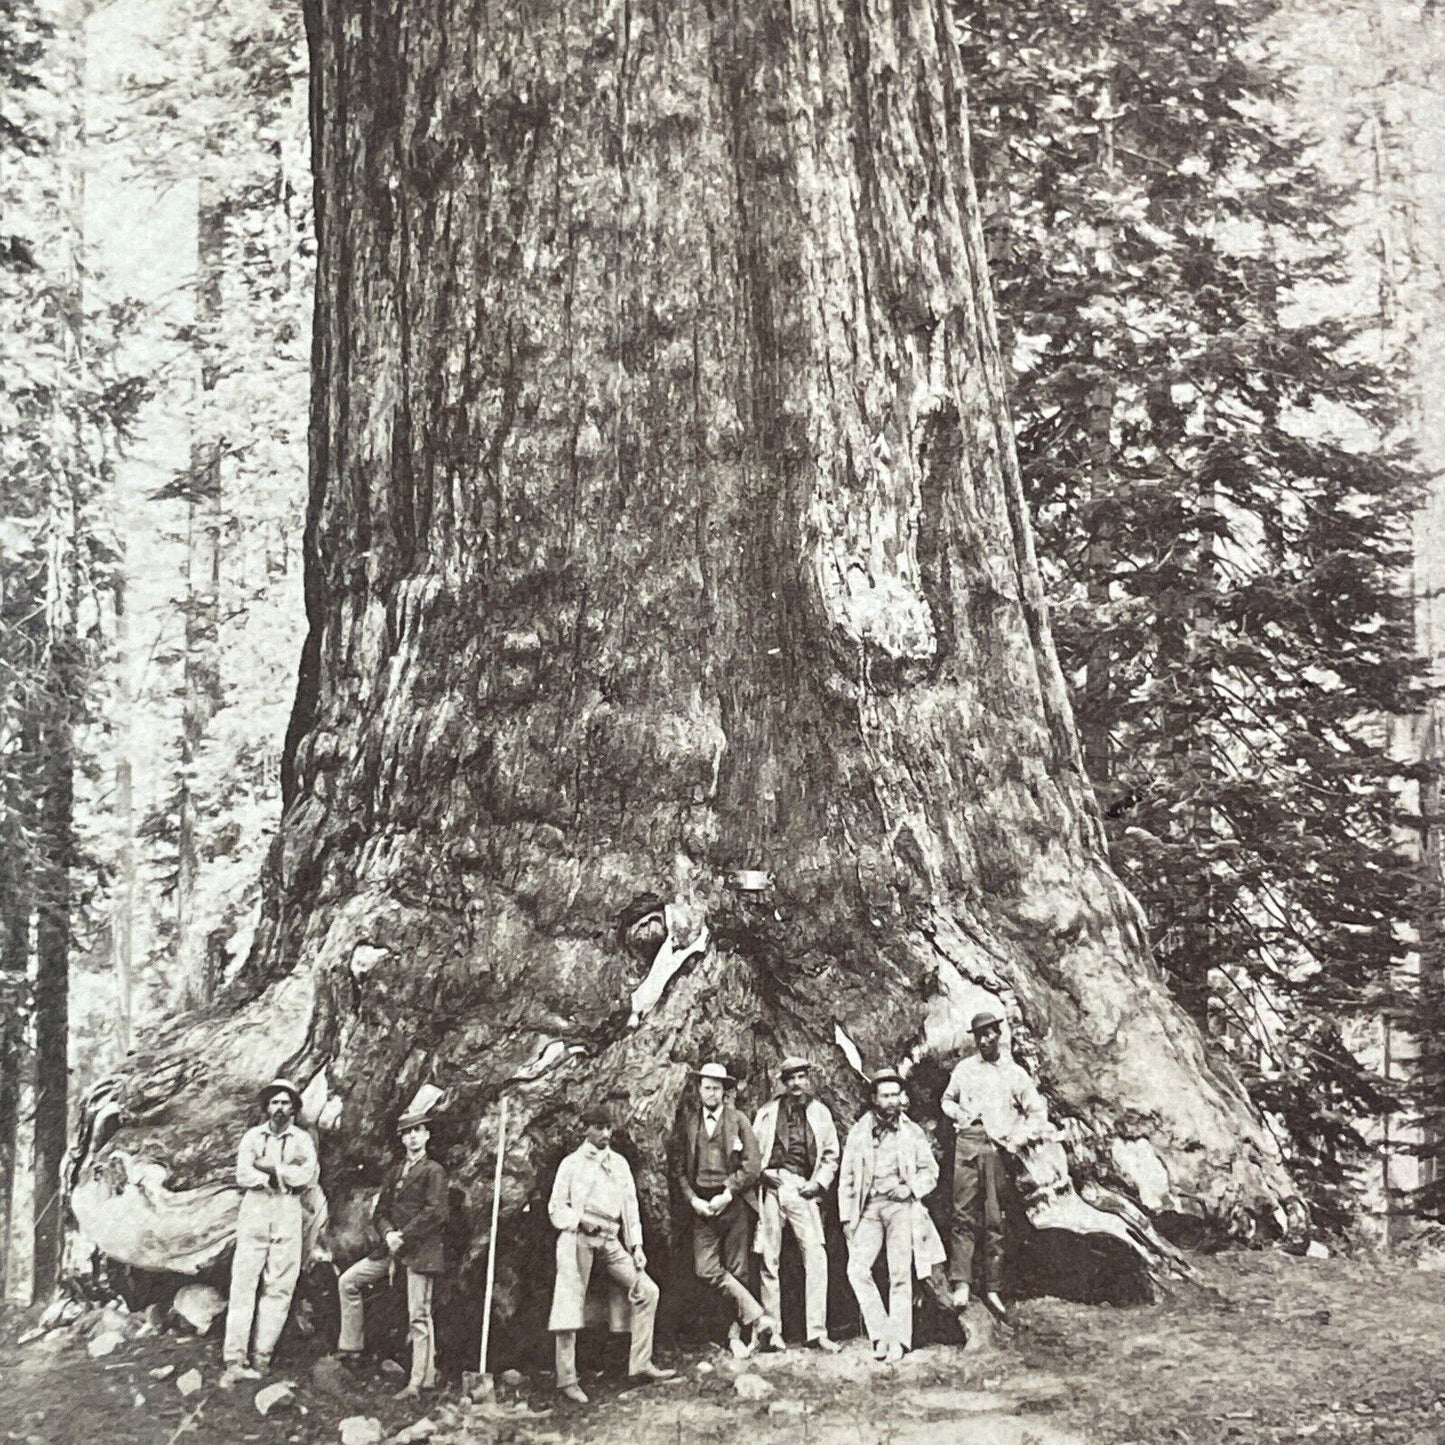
360 1277
786 1207
268 1258
887 1226
642 1295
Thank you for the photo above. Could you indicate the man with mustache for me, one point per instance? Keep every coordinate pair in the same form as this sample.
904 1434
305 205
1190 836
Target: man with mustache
275 1165
798 1144
994 1105
888 1170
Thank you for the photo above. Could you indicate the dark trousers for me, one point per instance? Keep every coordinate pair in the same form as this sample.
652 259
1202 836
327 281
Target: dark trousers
977 1210
720 1256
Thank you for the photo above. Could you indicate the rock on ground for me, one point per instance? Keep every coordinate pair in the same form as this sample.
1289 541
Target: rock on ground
189 1383
106 1342
423 1429
198 1305
752 1387
360 1430
280 1394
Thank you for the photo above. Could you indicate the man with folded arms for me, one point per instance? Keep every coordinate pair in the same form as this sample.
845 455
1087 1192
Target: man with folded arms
275 1165
994 1105
888 1170
798 1144
594 1208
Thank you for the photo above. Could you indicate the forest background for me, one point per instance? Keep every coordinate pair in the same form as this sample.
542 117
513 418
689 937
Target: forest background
1215 232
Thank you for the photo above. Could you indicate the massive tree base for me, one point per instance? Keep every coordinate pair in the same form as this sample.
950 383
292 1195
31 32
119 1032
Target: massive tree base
666 537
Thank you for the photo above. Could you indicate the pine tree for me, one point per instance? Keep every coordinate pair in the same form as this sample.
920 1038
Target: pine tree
1222 500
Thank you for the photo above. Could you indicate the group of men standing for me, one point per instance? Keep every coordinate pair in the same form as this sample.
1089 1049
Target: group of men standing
744 1181
755 1179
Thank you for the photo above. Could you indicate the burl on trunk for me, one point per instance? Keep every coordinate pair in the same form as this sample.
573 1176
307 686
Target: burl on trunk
665 524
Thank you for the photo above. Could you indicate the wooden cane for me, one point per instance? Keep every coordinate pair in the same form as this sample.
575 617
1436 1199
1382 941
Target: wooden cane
492 1247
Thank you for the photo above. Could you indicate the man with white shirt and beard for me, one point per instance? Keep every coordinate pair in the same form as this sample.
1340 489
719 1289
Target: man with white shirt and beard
594 1208
994 1105
275 1165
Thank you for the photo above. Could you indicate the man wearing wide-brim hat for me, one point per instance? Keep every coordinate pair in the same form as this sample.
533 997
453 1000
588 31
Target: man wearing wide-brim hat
994 1106
798 1146
409 1220
888 1171
275 1166
713 1156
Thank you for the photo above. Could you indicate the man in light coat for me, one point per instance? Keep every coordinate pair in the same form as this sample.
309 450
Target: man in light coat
888 1170
594 1209
408 1219
275 1166
798 1144
994 1105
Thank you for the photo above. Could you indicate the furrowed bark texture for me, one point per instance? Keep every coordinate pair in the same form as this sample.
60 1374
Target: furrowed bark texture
665 522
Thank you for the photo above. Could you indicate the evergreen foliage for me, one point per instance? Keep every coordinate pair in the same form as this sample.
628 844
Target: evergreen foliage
1222 501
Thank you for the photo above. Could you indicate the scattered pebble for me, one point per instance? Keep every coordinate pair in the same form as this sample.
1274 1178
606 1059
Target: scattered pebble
198 1305
704 1368
360 1430
162 1372
189 1383
390 1367
752 1387
792 1409
511 1377
104 1343
422 1430
275 1396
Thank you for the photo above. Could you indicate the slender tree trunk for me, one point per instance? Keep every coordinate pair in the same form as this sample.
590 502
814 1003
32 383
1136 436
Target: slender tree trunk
122 912
665 523
201 663
52 976
16 917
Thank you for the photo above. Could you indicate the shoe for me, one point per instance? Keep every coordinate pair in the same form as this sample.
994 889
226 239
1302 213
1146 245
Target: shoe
960 1297
895 1353
407 1392
234 1374
827 1346
765 1327
739 1349
575 1393
996 1307
348 1360
880 1350
654 1372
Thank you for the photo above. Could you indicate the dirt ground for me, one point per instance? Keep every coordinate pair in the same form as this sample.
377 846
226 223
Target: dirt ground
1266 1348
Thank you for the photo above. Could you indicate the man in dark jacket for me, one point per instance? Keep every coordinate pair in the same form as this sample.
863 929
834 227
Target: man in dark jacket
714 1161
409 1217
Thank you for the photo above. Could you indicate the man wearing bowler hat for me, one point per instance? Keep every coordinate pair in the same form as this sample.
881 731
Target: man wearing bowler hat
994 1105
798 1145
888 1171
714 1162
275 1165
409 1220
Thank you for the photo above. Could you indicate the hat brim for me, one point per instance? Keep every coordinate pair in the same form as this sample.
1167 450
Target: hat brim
977 1029
726 1078
267 1094
410 1121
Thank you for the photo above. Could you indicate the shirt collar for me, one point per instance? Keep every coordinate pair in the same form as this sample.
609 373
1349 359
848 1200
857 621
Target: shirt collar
591 1151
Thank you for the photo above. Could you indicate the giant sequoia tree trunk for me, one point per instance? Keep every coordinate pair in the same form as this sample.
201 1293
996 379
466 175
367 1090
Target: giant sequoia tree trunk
665 523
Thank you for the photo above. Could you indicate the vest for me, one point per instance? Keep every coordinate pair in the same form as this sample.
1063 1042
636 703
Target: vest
710 1161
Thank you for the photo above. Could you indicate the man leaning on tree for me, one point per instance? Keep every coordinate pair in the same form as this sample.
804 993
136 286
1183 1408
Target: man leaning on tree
714 1160
888 1170
594 1209
993 1104
275 1165
409 1220
798 1144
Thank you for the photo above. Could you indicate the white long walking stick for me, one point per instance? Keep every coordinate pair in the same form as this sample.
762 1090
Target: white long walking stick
492 1244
